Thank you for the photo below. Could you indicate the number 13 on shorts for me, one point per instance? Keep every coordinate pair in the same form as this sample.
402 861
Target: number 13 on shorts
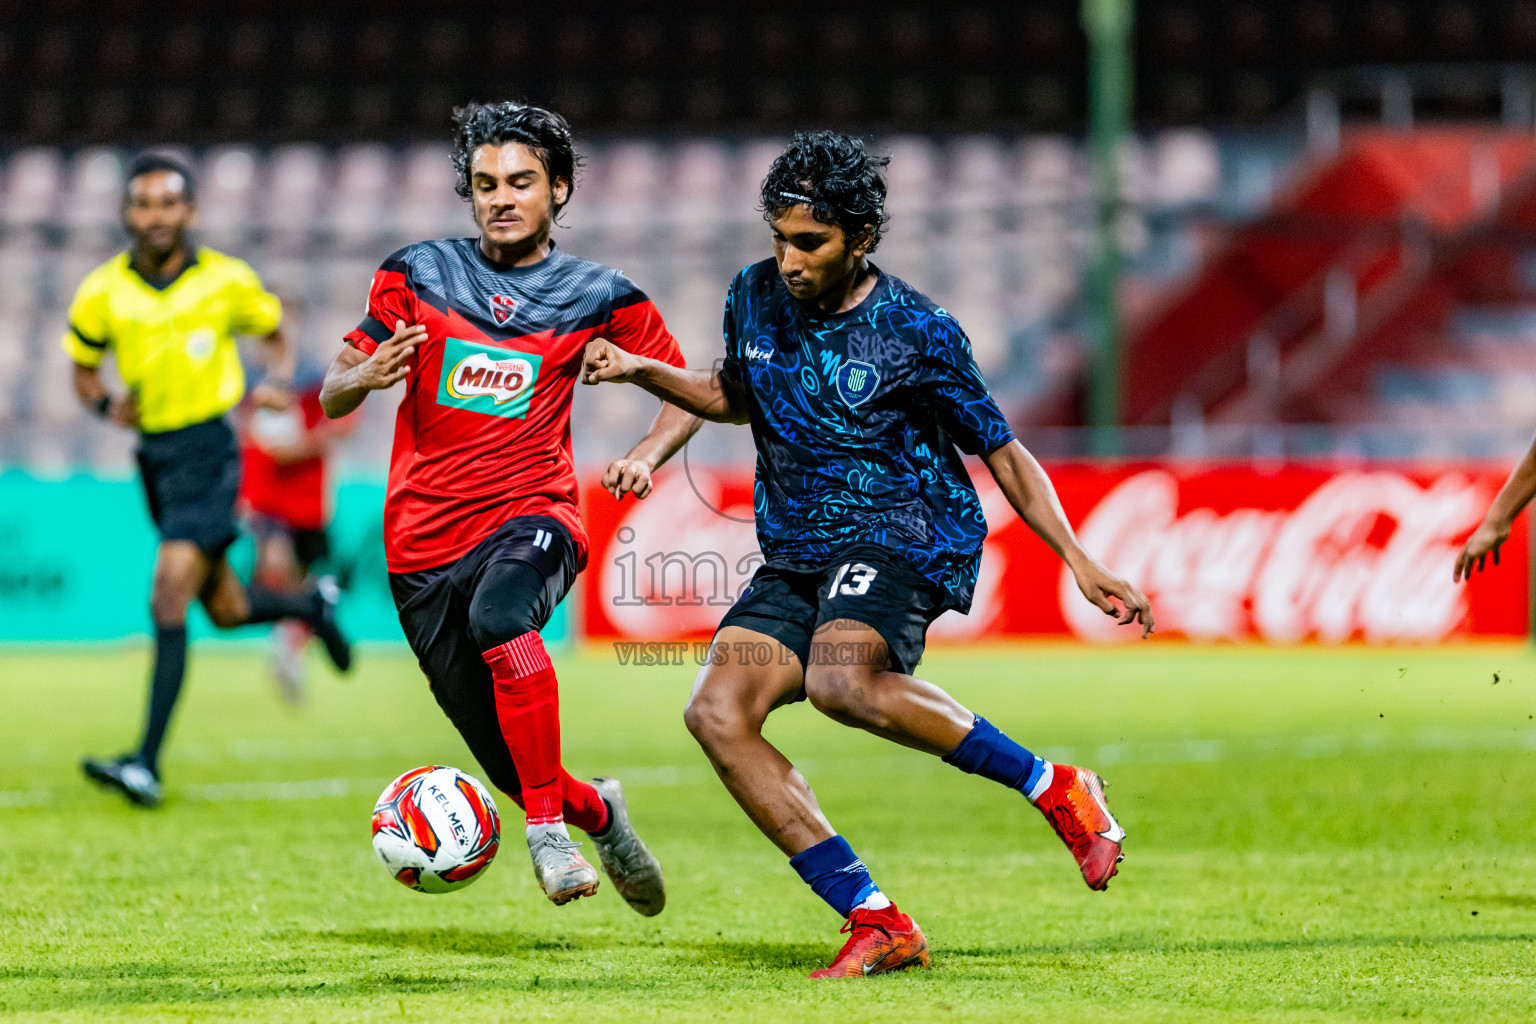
860 576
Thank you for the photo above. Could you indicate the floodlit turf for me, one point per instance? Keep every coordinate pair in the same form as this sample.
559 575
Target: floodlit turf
1314 836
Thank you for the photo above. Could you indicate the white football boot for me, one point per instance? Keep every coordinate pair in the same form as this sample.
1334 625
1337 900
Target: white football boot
635 871
563 874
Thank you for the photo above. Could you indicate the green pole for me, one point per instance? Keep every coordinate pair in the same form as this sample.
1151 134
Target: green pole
1108 26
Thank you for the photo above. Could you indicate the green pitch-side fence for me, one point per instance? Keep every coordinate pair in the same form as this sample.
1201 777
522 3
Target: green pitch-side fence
76 554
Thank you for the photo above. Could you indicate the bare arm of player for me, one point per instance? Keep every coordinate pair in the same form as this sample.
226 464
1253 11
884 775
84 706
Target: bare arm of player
353 374
670 430
276 392
90 389
1494 529
1033 497
704 393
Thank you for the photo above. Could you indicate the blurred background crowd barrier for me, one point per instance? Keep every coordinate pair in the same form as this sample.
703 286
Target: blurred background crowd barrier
996 229
1324 215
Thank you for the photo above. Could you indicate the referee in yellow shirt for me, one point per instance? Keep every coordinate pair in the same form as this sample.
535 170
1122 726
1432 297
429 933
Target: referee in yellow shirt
170 313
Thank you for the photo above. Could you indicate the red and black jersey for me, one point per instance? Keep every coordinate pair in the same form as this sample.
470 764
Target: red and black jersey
293 492
483 433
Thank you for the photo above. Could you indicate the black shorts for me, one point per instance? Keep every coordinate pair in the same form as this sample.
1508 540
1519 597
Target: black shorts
868 584
309 546
191 480
434 603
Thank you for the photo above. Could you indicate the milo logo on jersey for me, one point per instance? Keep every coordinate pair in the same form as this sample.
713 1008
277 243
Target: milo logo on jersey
484 378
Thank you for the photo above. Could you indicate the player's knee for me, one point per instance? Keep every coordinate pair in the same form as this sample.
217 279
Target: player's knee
168 604
505 605
844 693
227 616
714 721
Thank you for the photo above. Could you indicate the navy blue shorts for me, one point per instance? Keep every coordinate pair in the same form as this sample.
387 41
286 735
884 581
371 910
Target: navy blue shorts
868 584
191 480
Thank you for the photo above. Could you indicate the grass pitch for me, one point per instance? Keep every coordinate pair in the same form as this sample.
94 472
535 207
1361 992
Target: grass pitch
1314 836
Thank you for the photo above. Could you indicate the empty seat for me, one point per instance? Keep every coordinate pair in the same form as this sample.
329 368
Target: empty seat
633 182
701 186
1053 170
226 190
365 203
429 207
912 175
979 170
32 180
20 269
1185 167
95 195
296 193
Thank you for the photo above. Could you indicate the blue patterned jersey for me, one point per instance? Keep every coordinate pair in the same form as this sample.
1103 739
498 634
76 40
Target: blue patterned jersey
857 417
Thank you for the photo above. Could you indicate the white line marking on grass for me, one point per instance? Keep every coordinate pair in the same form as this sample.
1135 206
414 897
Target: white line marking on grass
309 789
320 789
25 798
1194 751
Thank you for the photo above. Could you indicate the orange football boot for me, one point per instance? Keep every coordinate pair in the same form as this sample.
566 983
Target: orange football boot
1074 805
879 941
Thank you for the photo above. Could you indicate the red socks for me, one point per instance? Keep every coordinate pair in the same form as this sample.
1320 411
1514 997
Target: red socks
582 805
528 709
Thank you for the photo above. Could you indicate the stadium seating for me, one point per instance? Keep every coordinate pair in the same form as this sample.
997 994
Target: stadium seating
993 227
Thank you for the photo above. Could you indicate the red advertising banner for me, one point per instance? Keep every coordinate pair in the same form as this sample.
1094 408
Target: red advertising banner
1224 552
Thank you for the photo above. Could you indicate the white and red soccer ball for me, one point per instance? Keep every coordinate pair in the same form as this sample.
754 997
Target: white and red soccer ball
435 829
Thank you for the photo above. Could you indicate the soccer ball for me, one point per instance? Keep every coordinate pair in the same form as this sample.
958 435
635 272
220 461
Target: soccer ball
435 829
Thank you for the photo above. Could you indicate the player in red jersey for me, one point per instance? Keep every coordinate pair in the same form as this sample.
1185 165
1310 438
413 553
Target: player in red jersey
283 488
481 529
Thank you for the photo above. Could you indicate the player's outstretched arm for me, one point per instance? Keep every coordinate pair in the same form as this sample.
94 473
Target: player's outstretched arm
670 430
1494 529
353 373
704 393
1033 497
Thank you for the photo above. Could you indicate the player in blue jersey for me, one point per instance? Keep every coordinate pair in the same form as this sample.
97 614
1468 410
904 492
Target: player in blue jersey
861 394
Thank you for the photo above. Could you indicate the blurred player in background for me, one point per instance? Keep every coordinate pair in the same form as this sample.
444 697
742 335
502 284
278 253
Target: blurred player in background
284 490
483 536
859 390
170 313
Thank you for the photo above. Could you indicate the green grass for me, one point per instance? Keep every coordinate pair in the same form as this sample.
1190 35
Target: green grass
1314 836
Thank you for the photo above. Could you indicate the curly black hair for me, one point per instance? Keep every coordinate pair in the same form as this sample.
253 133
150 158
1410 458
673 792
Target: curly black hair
149 163
543 131
833 175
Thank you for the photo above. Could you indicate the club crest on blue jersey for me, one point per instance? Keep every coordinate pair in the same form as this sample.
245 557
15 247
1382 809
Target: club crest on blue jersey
501 308
857 381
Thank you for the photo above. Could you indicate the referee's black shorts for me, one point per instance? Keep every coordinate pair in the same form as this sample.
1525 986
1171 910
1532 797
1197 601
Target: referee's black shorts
191 480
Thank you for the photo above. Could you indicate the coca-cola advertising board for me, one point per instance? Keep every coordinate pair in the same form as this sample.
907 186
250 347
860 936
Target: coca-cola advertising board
1224 552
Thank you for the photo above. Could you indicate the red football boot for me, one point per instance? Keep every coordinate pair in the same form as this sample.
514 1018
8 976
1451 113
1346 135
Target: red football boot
879 941
1074 805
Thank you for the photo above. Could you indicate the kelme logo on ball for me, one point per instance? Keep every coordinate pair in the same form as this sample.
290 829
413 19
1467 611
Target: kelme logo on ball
484 378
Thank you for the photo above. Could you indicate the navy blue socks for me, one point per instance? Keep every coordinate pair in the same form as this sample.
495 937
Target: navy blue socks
985 751
835 874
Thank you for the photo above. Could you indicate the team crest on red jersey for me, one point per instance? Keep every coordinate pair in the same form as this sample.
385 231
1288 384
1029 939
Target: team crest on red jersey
501 308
